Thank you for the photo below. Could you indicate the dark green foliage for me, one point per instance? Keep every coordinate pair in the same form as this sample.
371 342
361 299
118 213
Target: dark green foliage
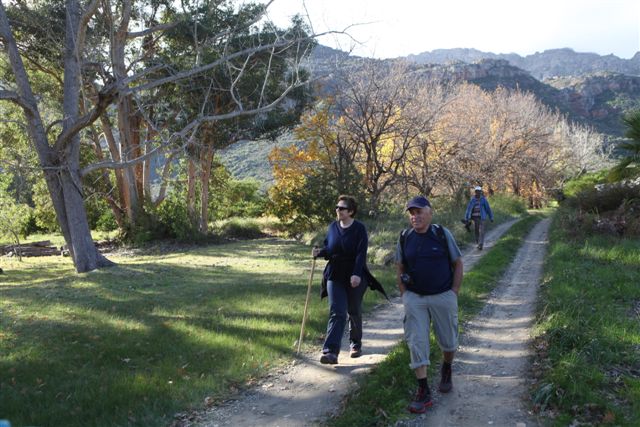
171 219
304 208
584 182
606 198
241 198
629 165
241 229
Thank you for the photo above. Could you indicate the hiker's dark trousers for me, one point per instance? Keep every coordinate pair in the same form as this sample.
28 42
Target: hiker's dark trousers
344 302
479 229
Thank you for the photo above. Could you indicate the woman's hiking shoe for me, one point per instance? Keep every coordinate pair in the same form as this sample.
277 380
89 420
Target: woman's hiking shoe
445 379
355 352
421 401
329 359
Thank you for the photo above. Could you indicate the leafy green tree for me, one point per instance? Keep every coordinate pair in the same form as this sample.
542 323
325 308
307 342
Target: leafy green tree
103 60
629 165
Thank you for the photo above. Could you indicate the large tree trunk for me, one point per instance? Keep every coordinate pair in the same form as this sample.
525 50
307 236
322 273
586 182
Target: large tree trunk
85 255
61 161
127 121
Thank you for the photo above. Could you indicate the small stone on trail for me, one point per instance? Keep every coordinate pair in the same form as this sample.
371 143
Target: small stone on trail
521 425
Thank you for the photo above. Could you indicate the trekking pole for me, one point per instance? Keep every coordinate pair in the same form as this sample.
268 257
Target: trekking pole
306 304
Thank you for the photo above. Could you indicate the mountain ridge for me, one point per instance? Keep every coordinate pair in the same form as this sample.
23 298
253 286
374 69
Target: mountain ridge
542 65
588 88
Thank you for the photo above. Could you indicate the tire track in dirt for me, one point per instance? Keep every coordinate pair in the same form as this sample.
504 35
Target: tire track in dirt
305 392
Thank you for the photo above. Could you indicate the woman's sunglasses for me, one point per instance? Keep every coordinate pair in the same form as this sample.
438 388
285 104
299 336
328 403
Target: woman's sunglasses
341 208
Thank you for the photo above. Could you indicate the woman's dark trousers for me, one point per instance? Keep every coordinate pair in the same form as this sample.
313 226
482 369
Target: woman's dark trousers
344 301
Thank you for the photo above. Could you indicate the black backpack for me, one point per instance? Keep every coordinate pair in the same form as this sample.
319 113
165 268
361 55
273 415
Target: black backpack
439 234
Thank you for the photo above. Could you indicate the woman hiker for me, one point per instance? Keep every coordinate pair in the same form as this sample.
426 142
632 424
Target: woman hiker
345 279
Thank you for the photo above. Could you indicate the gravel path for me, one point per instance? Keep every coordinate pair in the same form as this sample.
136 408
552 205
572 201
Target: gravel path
307 392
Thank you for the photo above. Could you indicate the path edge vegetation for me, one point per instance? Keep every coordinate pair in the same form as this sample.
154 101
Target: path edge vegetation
586 367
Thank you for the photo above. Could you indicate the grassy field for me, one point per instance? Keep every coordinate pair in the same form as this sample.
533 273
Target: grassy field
382 396
168 329
157 334
588 329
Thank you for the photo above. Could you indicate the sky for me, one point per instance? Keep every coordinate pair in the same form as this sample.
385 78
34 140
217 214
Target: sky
392 28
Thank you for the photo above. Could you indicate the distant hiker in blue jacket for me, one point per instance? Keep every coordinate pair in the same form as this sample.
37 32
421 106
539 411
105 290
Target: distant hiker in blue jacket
478 210
345 279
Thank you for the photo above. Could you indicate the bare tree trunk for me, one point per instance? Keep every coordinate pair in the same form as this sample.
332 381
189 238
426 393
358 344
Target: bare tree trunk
147 166
166 171
117 212
115 156
60 162
126 118
191 190
206 163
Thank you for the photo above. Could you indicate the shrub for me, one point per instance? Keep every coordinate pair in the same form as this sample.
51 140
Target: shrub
106 221
584 182
241 228
239 198
172 220
602 198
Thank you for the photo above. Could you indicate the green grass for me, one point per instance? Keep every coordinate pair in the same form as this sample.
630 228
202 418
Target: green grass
157 334
381 397
588 328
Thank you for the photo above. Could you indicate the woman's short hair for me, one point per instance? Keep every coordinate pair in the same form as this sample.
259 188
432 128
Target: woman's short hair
350 201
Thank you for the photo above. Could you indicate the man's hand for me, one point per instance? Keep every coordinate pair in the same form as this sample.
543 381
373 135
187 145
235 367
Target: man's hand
355 281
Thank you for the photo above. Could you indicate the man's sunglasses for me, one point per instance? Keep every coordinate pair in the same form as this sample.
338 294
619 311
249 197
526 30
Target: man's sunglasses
341 208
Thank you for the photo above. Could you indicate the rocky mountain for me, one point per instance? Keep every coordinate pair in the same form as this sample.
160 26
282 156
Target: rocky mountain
589 89
541 65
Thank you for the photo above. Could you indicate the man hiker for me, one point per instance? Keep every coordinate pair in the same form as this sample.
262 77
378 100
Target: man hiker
429 275
478 210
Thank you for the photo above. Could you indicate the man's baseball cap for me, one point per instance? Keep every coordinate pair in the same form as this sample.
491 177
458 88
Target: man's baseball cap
478 188
418 202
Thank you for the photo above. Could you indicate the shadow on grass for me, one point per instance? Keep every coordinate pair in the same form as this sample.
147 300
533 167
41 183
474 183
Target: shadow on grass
133 344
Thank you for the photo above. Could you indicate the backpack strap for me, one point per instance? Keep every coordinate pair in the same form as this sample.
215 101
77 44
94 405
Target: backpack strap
403 238
443 239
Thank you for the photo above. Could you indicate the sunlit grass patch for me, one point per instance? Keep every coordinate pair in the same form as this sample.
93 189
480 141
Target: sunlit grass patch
588 329
154 335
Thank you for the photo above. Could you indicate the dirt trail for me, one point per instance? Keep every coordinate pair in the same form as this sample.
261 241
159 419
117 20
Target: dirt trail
306 392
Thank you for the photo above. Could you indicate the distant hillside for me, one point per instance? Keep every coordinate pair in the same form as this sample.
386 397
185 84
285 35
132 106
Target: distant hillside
550 63
597 100
589 89
249 159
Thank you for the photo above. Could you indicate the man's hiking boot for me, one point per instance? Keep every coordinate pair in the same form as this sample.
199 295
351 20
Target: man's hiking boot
355 352
329 359
480 247
421 401
445 378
